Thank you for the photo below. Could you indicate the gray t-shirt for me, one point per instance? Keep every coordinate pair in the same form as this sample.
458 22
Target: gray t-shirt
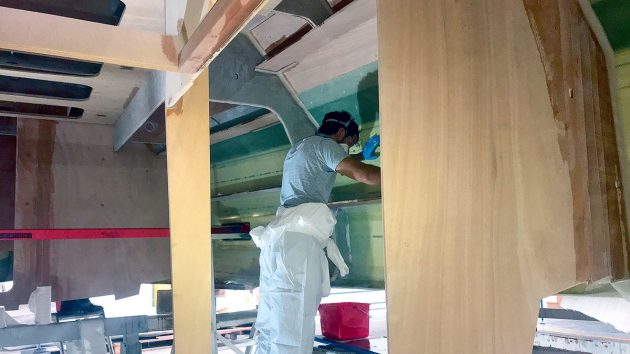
310 170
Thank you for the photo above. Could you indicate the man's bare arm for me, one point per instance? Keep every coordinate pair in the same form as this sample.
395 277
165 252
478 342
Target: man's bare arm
360 171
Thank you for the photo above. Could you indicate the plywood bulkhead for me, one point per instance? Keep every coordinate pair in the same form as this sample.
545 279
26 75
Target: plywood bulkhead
69 177
482 216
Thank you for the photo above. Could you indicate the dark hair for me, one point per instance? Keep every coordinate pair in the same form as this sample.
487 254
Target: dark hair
339 119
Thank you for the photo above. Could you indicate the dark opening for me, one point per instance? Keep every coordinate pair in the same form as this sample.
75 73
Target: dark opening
47 65
43 88
19 109
102 11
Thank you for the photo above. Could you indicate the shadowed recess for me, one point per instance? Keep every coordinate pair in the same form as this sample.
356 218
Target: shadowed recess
102 11
19 109
47 65
43 88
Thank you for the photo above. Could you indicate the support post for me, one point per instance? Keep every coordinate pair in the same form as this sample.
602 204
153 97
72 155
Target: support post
188 146
131 344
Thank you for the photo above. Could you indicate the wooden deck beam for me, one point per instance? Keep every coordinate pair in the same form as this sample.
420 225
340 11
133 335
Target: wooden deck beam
31 32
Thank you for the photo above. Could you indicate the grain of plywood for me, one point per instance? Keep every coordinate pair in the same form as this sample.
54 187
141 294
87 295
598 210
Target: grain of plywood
341 55
339 24
577 82
188 144
69 177
225 20
477 199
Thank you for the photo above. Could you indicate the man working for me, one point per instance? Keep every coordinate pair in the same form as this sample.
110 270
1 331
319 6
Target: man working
293 268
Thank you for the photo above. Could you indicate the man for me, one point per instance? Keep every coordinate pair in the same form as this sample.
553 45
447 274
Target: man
293 267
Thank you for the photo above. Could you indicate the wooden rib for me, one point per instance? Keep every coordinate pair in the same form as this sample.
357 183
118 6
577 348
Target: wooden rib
31 32
224 20
188 144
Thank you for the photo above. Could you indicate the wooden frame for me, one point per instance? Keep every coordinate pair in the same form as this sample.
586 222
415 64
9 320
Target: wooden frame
30 32
224 20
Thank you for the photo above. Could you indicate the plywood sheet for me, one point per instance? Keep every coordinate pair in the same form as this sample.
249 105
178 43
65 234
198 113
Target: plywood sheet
69 177
477 200
577 82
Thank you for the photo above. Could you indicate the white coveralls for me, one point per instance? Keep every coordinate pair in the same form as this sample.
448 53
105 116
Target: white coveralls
294 276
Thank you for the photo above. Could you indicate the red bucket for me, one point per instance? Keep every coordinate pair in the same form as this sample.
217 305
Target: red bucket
345 320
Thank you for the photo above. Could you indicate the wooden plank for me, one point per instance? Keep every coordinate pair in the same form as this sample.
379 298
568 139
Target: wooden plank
188 145
195 11
33 207
477 200
224 20
31 32
575 101
617 221
348 19
600 267
351 50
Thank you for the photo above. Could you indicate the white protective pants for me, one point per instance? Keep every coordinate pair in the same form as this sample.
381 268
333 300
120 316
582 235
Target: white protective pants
294 276
290 291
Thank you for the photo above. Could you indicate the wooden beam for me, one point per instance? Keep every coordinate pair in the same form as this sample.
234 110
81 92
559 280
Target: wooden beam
196 10
31 32
188 146
224 20
359 14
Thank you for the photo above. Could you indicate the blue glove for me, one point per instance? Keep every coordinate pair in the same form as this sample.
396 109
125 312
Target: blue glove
369 148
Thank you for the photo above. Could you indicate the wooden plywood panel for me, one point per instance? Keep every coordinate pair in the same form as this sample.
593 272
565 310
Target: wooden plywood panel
69 177
577 82
477 199
617 221
188 145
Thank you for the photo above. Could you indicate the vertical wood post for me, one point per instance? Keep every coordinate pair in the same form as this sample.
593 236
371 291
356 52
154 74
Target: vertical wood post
188 148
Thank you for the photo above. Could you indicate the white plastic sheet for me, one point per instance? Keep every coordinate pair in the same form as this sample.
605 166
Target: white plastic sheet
294 276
